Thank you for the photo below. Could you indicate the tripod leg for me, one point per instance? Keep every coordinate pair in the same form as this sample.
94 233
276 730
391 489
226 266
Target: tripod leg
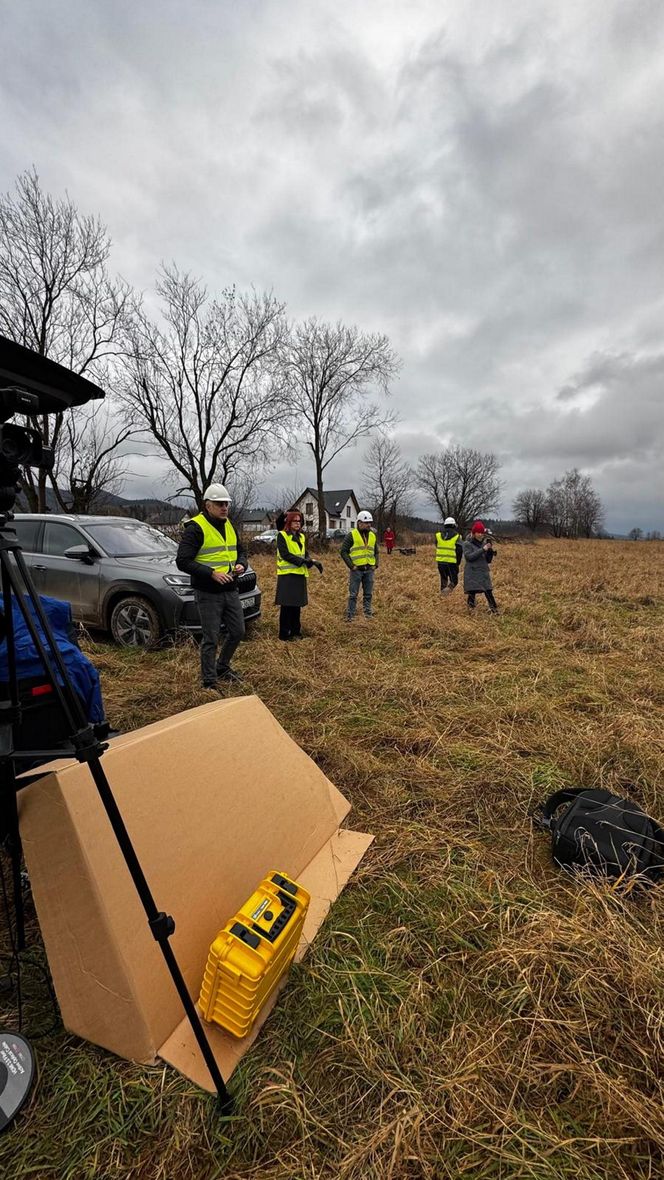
9 717
11 840
161 925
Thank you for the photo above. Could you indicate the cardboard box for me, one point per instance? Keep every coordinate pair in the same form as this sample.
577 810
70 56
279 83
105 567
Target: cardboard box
213 799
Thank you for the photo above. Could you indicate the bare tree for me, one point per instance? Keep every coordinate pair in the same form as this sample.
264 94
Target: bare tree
529 508
207 387
286 496
460 482
56 296
331 369
573 507
589 509
635 534
241 487
90 460
387 480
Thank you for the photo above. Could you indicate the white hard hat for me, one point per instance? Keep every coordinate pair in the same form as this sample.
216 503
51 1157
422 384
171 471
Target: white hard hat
450 520
217 491
364 517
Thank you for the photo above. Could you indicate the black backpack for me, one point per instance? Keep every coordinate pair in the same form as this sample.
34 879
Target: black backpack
603 834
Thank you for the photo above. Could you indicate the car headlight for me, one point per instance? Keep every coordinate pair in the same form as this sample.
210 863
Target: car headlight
180 584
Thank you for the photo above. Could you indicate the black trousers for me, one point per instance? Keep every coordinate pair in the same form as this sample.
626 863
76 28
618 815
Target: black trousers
219 610
289 621
448 569
493 605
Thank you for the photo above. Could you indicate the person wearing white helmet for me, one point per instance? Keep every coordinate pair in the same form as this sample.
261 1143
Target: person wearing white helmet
213 556
449 552
359 550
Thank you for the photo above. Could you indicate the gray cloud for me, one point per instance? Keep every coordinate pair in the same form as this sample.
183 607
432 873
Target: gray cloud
479 181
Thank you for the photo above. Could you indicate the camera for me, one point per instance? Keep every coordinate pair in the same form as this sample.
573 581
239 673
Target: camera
33 385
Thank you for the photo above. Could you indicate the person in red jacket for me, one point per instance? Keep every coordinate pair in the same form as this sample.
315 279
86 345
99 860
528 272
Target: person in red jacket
389 537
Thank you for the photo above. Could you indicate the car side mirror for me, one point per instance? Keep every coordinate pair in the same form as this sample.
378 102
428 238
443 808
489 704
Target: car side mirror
80 553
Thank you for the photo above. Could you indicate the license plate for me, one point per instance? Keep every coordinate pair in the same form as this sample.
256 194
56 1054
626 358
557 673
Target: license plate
247 603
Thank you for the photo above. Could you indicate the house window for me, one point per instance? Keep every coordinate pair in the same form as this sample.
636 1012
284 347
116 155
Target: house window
348 510
309 508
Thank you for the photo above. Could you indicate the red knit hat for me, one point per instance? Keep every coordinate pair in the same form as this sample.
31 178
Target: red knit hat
478 527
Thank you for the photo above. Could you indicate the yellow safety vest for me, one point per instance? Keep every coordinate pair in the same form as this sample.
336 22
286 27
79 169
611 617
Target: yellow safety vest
446 550
363 552
215 551
285 567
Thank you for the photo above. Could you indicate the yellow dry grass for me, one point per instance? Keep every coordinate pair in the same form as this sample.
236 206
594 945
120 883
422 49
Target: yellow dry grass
466 1010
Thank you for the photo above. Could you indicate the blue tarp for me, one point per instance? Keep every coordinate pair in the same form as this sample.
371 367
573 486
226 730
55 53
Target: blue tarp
83 674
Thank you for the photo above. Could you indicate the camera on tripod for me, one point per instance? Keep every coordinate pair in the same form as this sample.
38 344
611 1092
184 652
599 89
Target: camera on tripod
32 385
20 446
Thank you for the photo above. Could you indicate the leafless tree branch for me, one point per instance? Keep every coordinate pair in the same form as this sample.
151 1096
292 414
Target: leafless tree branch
207 386
331 370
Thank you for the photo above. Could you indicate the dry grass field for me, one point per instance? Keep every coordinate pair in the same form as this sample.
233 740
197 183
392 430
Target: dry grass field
466 1011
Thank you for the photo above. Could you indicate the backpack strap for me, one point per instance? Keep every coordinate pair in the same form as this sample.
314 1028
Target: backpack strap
545 813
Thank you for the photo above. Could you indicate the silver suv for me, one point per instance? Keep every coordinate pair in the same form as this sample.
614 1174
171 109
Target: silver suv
118 574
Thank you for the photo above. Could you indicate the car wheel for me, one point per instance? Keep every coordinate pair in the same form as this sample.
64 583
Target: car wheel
135 623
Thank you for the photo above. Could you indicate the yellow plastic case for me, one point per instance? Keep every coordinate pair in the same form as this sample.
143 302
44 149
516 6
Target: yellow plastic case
249 956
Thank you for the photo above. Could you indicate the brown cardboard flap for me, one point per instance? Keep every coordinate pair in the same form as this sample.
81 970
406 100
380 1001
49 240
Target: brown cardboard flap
324 877
213 799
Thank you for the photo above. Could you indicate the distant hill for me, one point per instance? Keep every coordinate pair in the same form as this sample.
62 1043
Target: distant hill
107 504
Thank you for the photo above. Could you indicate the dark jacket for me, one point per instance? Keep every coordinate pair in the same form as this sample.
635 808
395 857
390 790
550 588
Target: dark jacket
448 531
347 545
201 575
476 573
292 588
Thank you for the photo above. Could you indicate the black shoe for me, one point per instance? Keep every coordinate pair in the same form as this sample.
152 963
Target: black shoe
298 636
286 638
229 674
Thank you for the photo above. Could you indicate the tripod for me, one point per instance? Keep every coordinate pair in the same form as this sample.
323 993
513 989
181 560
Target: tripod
17 587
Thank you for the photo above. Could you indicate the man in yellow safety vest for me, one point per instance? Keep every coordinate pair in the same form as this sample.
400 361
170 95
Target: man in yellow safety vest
449 552
359 550
213 556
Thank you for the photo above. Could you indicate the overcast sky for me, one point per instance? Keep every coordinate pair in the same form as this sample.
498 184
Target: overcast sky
480 179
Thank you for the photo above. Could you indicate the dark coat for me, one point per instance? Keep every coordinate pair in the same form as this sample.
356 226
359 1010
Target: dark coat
292 588
476 572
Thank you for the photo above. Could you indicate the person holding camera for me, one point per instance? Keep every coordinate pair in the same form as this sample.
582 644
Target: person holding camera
213 556
478 552
293 565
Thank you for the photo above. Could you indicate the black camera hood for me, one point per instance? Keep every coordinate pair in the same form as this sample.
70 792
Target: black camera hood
53 388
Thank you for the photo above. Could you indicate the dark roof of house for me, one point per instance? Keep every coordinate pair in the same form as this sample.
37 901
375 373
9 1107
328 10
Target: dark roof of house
334 501
255 514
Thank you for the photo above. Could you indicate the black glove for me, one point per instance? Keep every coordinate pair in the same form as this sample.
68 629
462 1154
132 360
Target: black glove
319 566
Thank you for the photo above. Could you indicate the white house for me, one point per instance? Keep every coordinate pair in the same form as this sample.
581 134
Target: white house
341 509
